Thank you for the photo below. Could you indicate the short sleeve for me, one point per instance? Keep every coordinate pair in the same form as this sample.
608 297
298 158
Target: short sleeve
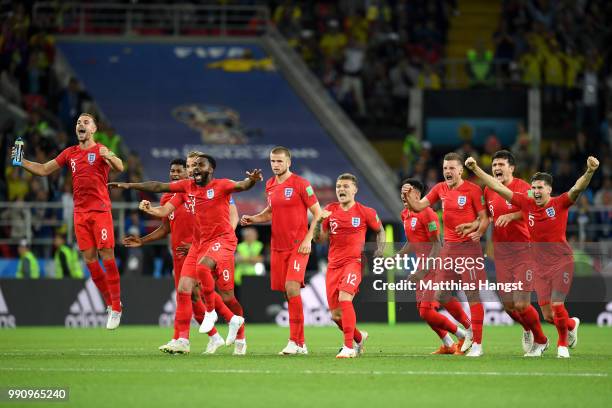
308 195
432 224
177 200
487 198
564 200
180 186
227 186
477 199
521 200
372 220
62 158
325 223
434 195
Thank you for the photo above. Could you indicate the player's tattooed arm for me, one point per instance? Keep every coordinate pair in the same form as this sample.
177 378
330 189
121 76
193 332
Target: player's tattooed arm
264 216
583 182
415 205
252 178
318 234
150 186
159 212
381 240
488 180
112 159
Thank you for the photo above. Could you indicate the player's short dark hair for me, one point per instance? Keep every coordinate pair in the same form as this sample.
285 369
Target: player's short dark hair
454 156
506 155
281 150
545 177
416 183
90 115
348 176
211 160
179 162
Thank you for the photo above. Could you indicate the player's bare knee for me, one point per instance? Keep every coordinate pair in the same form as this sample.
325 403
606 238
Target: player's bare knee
106 253
227 295
509 306
206 261
520 307
336 315
185 285
292 289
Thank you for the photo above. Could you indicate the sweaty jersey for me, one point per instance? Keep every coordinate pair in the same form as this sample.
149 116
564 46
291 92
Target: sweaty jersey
347 231
459 205
516 231
211 206
546 224
289 202
89 177
420 228
182 219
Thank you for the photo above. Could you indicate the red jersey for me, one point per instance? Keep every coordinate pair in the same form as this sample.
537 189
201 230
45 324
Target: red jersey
546 224
347 231
289 202
420 228
459 205
516 231
211 206
89 177
182 219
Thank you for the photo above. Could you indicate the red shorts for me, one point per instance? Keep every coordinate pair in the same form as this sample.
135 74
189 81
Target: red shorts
516 268
552 282
345 278
94 229
222 252
461 262
287 266
425 295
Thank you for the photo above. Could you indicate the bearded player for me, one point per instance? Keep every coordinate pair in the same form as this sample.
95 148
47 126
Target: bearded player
216 245
290 197
512 252
422 231
547 221
180 224
462 203
346 222
90 164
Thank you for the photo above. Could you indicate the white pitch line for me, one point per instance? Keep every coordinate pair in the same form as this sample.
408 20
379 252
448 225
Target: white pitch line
309 372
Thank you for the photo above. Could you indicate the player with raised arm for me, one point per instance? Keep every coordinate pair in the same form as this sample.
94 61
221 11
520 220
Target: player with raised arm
462 202
180 224
345 222
547 222
216 244
90 164
422 231
513 263
290 197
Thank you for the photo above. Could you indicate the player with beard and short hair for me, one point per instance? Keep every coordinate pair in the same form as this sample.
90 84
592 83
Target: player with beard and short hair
90 164
547 222
290 197
216 245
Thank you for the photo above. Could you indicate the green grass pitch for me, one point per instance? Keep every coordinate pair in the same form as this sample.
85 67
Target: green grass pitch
124 369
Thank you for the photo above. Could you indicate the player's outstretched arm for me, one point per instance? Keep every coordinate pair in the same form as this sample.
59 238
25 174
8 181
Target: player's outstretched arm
38 169
489 180
306 245
233 216
583 182
150 186
112 159
159 212
252 178
417 206
264 216
318 235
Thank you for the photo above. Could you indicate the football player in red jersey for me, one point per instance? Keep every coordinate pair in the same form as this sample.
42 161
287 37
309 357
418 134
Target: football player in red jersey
462 203
346 222
217 241
547 222
290 197
90 164
422 231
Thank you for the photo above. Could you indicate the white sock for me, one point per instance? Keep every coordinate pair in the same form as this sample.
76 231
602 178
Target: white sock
217 336
447 340
460 333
240 340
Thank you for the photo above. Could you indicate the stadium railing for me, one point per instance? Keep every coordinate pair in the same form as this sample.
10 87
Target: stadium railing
151 19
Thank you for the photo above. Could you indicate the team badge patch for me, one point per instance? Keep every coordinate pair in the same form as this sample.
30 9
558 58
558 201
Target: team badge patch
413 222
550 211
91 158
461 200
210 193
356 221
288 192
